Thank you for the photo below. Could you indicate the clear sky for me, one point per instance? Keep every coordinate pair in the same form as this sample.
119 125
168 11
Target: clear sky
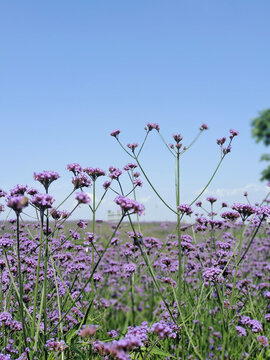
72 71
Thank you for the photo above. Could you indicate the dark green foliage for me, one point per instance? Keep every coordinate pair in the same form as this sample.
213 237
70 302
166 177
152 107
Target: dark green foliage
261 132
261 127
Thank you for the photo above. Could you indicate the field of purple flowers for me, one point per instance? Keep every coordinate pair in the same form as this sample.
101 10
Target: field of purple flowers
195 289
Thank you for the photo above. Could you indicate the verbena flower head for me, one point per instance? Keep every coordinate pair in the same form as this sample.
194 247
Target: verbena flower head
221 141
204 127
114 172
185 209
42 201
244 210
32 191
178 138
17 203
88 331
83 198
212 275
130 167
18 190
263 212
56 214
241 331
56 345
106 184
263 340
75 168
132 146
233 133
152 126
94 173
46 178
2 193
129 205
80 181
230 215
115 133
211 199
138 182
227 149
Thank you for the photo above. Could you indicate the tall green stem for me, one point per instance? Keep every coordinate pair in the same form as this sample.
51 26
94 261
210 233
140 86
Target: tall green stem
92 247
177 189
20 298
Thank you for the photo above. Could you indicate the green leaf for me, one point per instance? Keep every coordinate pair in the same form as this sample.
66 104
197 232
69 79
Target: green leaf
157 351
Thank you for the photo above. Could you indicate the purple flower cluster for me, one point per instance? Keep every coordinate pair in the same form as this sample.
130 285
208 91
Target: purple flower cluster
212 275
17 203
185 209
83 198
129 205
244 210
42 201
46 178
165 329
94 173
152 126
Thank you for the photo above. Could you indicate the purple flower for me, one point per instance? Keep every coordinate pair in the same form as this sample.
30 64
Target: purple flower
177 138
18 190
130 167
115 133
88 331
263 212
6 242
165 329
227 150
5 317
114 172
127 205
212 275
46 178
263 340
230 215
241 331
32 191
75 168
221 141
132 146
82 198
2 193
42 201
82 224
106 184
56 214
244 210
56 345
128 269
151 126
5 357
204 127
185 209
94 173
211 199
138 182
17 203
233 133
80 181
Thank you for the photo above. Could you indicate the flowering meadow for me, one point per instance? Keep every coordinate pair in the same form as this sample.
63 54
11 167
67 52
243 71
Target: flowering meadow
197 288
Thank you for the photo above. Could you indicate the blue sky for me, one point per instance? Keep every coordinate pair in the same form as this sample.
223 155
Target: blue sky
72 71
